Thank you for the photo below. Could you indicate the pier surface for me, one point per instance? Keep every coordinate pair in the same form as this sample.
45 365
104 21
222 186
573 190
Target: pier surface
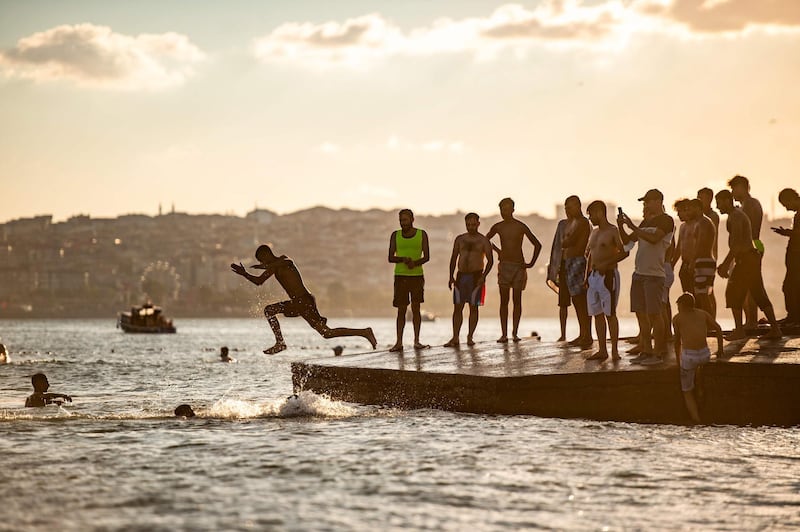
757 383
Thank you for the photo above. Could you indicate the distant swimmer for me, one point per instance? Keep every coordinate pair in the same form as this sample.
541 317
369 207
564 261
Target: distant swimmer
472 253
184 411
512 268
223 355
691 326
300 303
40 396
4 358
338 350
408 251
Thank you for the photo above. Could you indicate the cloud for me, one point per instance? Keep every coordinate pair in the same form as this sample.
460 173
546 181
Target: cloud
727 16
607 24
95 56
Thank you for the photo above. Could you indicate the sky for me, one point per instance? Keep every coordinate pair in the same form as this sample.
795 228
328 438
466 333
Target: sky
111 108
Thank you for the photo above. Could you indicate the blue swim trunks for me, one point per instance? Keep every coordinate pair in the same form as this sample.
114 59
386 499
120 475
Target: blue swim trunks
466 289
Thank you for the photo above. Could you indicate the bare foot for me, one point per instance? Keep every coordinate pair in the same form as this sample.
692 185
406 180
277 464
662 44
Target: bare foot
371 338
587 343
418 345
452 342
516 339
574 343
635 350
502 340
599 356
277 348
470 342
396 348
562 338
615 357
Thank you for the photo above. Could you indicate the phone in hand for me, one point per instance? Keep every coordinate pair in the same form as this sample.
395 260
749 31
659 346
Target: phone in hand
619 210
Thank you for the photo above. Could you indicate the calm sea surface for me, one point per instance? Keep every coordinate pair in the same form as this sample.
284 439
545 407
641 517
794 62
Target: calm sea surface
117 459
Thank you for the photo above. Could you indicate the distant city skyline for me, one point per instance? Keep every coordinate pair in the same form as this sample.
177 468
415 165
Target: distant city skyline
109 109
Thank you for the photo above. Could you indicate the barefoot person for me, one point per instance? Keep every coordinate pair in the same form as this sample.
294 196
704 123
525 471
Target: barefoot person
408 251
300 303
471 250
573 245
557 277
740 189
604 251
706 197
511 270
705 264
791 283
691 347
746 273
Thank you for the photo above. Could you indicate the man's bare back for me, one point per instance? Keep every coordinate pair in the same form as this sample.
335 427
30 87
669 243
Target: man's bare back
288 276
693 325
576 237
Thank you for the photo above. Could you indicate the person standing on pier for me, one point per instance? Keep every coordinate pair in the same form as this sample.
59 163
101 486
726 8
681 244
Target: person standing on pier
706 197
301 302
472 253
791 283
576 237
604 251
557 277
691 346
648 285
408 251
740 188
512 269
746 273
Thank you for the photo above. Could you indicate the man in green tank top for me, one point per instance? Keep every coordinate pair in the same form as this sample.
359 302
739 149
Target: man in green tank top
408 251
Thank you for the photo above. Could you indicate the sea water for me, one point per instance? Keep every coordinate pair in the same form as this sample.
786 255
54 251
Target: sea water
256 459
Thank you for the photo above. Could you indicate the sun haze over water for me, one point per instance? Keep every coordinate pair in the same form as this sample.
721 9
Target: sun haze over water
110 109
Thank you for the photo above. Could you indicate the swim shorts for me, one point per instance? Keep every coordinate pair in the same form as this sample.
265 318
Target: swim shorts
466 289
704 272
563 290
686 276
304 306
746 277
512 275
603 293
690 360
408 289
576 270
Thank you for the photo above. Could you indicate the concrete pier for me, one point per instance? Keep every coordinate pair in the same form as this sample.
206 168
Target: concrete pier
757 383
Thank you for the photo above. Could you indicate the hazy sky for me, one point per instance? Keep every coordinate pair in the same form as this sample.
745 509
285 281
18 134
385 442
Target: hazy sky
109 108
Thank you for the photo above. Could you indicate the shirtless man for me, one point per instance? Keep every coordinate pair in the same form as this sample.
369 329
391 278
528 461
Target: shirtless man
573 245
691 347
301 302
746 274
470 250
740 188
685 246
706 197
511 271
40 395
604 251
705 265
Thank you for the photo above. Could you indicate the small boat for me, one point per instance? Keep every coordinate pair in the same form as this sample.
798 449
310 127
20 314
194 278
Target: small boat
145 319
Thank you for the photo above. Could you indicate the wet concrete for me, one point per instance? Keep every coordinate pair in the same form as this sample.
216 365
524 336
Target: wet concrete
757 383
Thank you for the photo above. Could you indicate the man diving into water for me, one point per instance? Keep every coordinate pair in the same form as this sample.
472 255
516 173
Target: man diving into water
301 302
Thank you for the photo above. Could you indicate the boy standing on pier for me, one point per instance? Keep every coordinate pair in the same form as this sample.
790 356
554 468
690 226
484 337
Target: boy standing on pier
512 269
604 251
691 347
470 251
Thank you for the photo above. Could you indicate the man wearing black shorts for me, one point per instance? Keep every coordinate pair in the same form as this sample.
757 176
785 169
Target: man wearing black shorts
300 303
746 273
408 251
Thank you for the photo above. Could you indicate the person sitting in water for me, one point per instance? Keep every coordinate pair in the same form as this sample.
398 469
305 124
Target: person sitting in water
691 326
4 358
223 355
184 411
40 396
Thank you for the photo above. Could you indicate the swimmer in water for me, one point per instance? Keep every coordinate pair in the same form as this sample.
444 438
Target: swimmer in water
4 358
223 355
40 396
184 411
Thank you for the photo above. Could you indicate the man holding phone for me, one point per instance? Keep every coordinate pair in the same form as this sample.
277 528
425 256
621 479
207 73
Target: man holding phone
791 283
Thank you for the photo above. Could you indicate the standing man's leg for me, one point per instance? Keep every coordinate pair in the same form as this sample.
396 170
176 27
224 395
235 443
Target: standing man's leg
517 300
562 318
505 292
473 324
401 325
458 319
400 301
417 293
584 321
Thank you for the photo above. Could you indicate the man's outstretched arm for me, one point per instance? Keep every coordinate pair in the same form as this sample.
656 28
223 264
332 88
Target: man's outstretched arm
239 269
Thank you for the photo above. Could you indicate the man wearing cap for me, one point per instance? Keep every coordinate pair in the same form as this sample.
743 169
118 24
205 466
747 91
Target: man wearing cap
654 235
301 302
